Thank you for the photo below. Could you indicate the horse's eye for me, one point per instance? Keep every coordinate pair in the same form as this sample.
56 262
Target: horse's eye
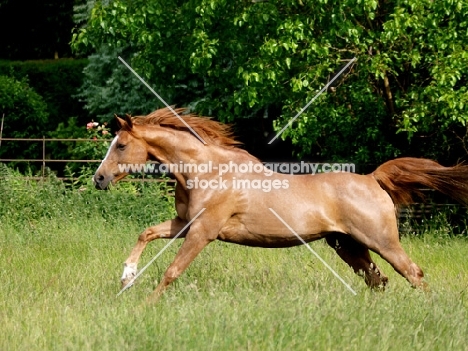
121 146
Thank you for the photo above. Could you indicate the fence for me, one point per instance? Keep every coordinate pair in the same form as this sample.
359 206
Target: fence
44 161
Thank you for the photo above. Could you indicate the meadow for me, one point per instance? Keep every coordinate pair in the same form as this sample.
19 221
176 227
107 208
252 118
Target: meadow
61 255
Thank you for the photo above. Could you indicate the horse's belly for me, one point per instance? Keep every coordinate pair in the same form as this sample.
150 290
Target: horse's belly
236 232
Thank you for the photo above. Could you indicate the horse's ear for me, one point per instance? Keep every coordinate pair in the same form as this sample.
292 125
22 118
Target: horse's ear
126 123
120 122
129 121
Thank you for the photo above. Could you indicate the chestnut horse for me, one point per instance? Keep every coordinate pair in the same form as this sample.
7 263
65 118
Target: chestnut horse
353 212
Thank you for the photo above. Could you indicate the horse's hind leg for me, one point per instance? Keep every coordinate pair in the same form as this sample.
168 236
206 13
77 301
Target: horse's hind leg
387 245
166 230
397 257
358 257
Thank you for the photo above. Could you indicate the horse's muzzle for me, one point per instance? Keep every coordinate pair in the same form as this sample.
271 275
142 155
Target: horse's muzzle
100 182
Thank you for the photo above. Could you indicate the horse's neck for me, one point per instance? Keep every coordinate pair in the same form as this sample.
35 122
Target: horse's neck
175 147
180 147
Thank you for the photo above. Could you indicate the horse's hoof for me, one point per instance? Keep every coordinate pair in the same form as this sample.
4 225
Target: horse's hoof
424 286
153 298
129 273
126 283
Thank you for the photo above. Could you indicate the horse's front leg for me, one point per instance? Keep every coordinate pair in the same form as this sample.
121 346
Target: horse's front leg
166 230
199 236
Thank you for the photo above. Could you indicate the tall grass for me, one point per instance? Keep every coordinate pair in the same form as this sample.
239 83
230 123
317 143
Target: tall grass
25 202
61 254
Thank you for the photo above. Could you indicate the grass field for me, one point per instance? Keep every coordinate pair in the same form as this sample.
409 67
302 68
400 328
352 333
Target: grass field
60 276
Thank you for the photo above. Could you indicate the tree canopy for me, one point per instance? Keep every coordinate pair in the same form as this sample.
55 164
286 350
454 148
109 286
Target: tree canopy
406 94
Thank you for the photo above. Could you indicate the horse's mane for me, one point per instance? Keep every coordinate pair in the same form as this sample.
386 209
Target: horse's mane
209 130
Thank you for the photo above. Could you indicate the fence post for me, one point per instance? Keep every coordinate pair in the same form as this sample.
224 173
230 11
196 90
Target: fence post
43 157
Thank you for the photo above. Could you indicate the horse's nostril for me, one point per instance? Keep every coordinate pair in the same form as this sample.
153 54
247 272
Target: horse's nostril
100 178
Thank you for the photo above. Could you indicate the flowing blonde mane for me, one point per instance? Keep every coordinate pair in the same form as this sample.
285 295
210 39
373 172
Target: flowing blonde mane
211 131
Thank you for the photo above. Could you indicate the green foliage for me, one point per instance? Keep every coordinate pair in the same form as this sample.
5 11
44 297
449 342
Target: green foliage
57 81
81 11
24 202
88 150
236 59
58 112
95 140
65 130
110 88
94 150
442 221
25 115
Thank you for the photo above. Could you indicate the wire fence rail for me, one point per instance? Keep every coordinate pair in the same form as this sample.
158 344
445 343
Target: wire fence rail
45 160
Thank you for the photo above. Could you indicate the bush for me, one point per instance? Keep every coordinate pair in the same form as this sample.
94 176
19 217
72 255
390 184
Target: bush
25 114
96 142
110 88
24 202
57 81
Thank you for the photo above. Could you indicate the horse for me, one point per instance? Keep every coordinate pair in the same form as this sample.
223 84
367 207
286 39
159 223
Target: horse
355 213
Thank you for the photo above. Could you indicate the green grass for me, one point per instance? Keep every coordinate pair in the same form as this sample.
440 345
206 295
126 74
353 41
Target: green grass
59 285
61 255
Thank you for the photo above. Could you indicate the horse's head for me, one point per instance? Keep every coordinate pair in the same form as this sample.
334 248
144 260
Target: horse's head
127 148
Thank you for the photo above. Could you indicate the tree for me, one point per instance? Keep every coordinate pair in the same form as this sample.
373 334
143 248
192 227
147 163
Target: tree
110 88
248 59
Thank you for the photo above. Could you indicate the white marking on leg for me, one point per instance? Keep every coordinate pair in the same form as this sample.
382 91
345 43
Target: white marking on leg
130 271
160 252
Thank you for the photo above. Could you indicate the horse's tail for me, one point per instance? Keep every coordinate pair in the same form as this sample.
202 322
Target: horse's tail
404 177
